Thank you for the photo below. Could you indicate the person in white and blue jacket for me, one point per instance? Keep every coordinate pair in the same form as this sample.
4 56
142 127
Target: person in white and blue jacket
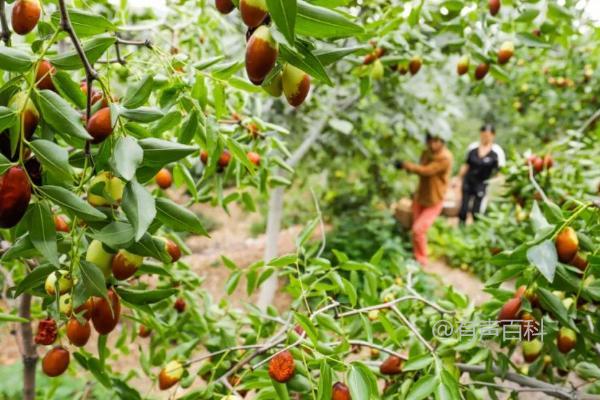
484 159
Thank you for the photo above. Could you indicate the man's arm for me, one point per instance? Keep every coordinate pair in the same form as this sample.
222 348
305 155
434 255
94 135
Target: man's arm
433 168
463 170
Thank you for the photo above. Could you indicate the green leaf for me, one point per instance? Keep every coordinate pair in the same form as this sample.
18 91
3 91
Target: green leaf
189 128
150 246
545 258
139 207
306 61
141 297
4 164
178 218
239 153
93 279
283 261
57 113
68 201
4 317
68 88
34 279
308 327
42 232
137 95
232 282
553 305
325 381
127 157
418 362
162 152
283 13
93 49
423 387
15 60
330 55
141 114
358 382
322 23
53 158
116 235
86 24
587 370
8 118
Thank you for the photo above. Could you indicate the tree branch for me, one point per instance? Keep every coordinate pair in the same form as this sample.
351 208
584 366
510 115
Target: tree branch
532 383
5 35
145 43
30 356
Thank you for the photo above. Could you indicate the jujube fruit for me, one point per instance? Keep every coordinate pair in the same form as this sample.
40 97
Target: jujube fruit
86 308
282 367
170 375
61 279
173 249
60 225
56 361
391 366
579 261
97 255
103 318
105 189
566 340
296 85
100 125
25 16
531 350
340 392
43 76
34 170
507 50
144 331
548 161
261 55
254 158
164 179
481 71
15 193
494 6
510 310
179 305
224 6
567 244
275 86
78 333
253 12
204 157
224 159
125 264
47 332
96 94
377 71
414 65
65 304
463 65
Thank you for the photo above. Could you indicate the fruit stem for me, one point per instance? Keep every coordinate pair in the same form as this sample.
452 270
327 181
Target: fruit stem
5 35
573 216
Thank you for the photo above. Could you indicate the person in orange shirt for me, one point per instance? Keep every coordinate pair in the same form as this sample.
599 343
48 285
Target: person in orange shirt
434 170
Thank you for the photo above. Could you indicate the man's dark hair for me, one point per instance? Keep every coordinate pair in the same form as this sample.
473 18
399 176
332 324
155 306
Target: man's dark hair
488 127
430 136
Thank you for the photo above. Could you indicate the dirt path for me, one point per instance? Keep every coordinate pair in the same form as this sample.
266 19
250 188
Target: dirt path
462 281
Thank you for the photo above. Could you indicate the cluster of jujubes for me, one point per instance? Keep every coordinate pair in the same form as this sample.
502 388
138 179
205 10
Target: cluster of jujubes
262 53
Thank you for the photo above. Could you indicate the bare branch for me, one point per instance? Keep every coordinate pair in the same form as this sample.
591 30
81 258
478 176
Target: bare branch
142 43
531 383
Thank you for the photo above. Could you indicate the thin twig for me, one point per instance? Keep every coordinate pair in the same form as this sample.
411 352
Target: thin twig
90 72
321 224
392 303
5 35
413 328
535 184
142 43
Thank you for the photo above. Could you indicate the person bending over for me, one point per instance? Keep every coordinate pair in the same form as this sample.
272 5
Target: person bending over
484 158
434 172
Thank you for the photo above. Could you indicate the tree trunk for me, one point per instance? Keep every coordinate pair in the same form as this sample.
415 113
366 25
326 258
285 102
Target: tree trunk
30 356
269 287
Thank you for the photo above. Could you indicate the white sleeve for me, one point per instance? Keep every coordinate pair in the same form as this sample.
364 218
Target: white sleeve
501 155
472 146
